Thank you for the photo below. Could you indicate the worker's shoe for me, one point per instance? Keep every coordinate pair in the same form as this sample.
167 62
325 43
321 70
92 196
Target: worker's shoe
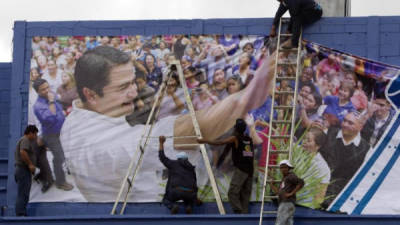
175 209
188 210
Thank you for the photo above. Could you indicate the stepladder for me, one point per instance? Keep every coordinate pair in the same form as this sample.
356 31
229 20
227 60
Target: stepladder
281 127
136 162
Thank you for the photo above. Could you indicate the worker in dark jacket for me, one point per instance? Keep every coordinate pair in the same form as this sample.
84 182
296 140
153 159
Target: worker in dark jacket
182 183
302 12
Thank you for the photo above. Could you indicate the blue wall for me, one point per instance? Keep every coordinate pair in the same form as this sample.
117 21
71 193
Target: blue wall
377 38
5 88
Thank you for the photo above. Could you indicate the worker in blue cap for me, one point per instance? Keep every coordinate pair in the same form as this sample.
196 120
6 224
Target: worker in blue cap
182 183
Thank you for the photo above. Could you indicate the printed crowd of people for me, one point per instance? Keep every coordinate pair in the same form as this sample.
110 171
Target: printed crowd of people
343 112
340 108
214 66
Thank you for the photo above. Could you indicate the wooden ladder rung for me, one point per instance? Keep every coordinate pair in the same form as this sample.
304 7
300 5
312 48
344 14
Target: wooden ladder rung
282 121
285 78
280 136
283 107
284 92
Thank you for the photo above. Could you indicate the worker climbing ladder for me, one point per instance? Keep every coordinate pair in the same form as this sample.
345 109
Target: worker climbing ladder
281 129
134 168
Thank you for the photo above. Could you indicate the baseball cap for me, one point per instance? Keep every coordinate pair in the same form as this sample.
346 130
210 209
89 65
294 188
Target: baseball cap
181 155
286 162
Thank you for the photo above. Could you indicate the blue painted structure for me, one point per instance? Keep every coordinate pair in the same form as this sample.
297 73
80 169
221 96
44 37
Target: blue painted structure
376 38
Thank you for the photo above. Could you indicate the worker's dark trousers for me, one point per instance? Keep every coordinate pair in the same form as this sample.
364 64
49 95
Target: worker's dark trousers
306 17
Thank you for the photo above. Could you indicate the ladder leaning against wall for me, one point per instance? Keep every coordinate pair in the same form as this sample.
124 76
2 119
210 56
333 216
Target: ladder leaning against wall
132 172
281 129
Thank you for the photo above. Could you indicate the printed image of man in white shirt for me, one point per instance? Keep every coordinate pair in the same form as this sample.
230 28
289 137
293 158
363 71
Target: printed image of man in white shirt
99 144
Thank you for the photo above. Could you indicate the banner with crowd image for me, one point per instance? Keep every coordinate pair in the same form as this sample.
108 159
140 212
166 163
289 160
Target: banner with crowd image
91 116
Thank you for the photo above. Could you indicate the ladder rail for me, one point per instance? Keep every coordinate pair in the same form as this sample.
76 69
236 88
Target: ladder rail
298 67
271 122
202 146
271 114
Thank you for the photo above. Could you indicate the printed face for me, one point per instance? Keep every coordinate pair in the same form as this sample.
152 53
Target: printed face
65 78
307 75
344 94
43 90
309 102
248 49
383 108
309 143
233 86
56 51
42 61
348 78
149 60
244 59
305 91
172 84
351 125
119 93
52 67
219 76
34 74
204 87
162 45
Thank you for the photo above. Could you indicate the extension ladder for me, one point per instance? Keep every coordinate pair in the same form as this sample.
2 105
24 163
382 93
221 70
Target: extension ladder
284 127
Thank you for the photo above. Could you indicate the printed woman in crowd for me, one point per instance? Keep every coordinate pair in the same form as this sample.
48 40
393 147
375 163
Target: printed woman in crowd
160 52
230 43
202 97
234 84
154 74
308 111
218 87
338 106
67 91
212 57
326 65
191 81
312 142
173 102
359 98
243 69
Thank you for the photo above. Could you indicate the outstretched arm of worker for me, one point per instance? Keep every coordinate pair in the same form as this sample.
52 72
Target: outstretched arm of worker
219 118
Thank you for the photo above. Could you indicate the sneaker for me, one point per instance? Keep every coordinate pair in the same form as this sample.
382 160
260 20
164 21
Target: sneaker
65 186
175 209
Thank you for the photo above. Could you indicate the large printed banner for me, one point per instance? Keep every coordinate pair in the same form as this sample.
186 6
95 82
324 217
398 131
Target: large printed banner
92 114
